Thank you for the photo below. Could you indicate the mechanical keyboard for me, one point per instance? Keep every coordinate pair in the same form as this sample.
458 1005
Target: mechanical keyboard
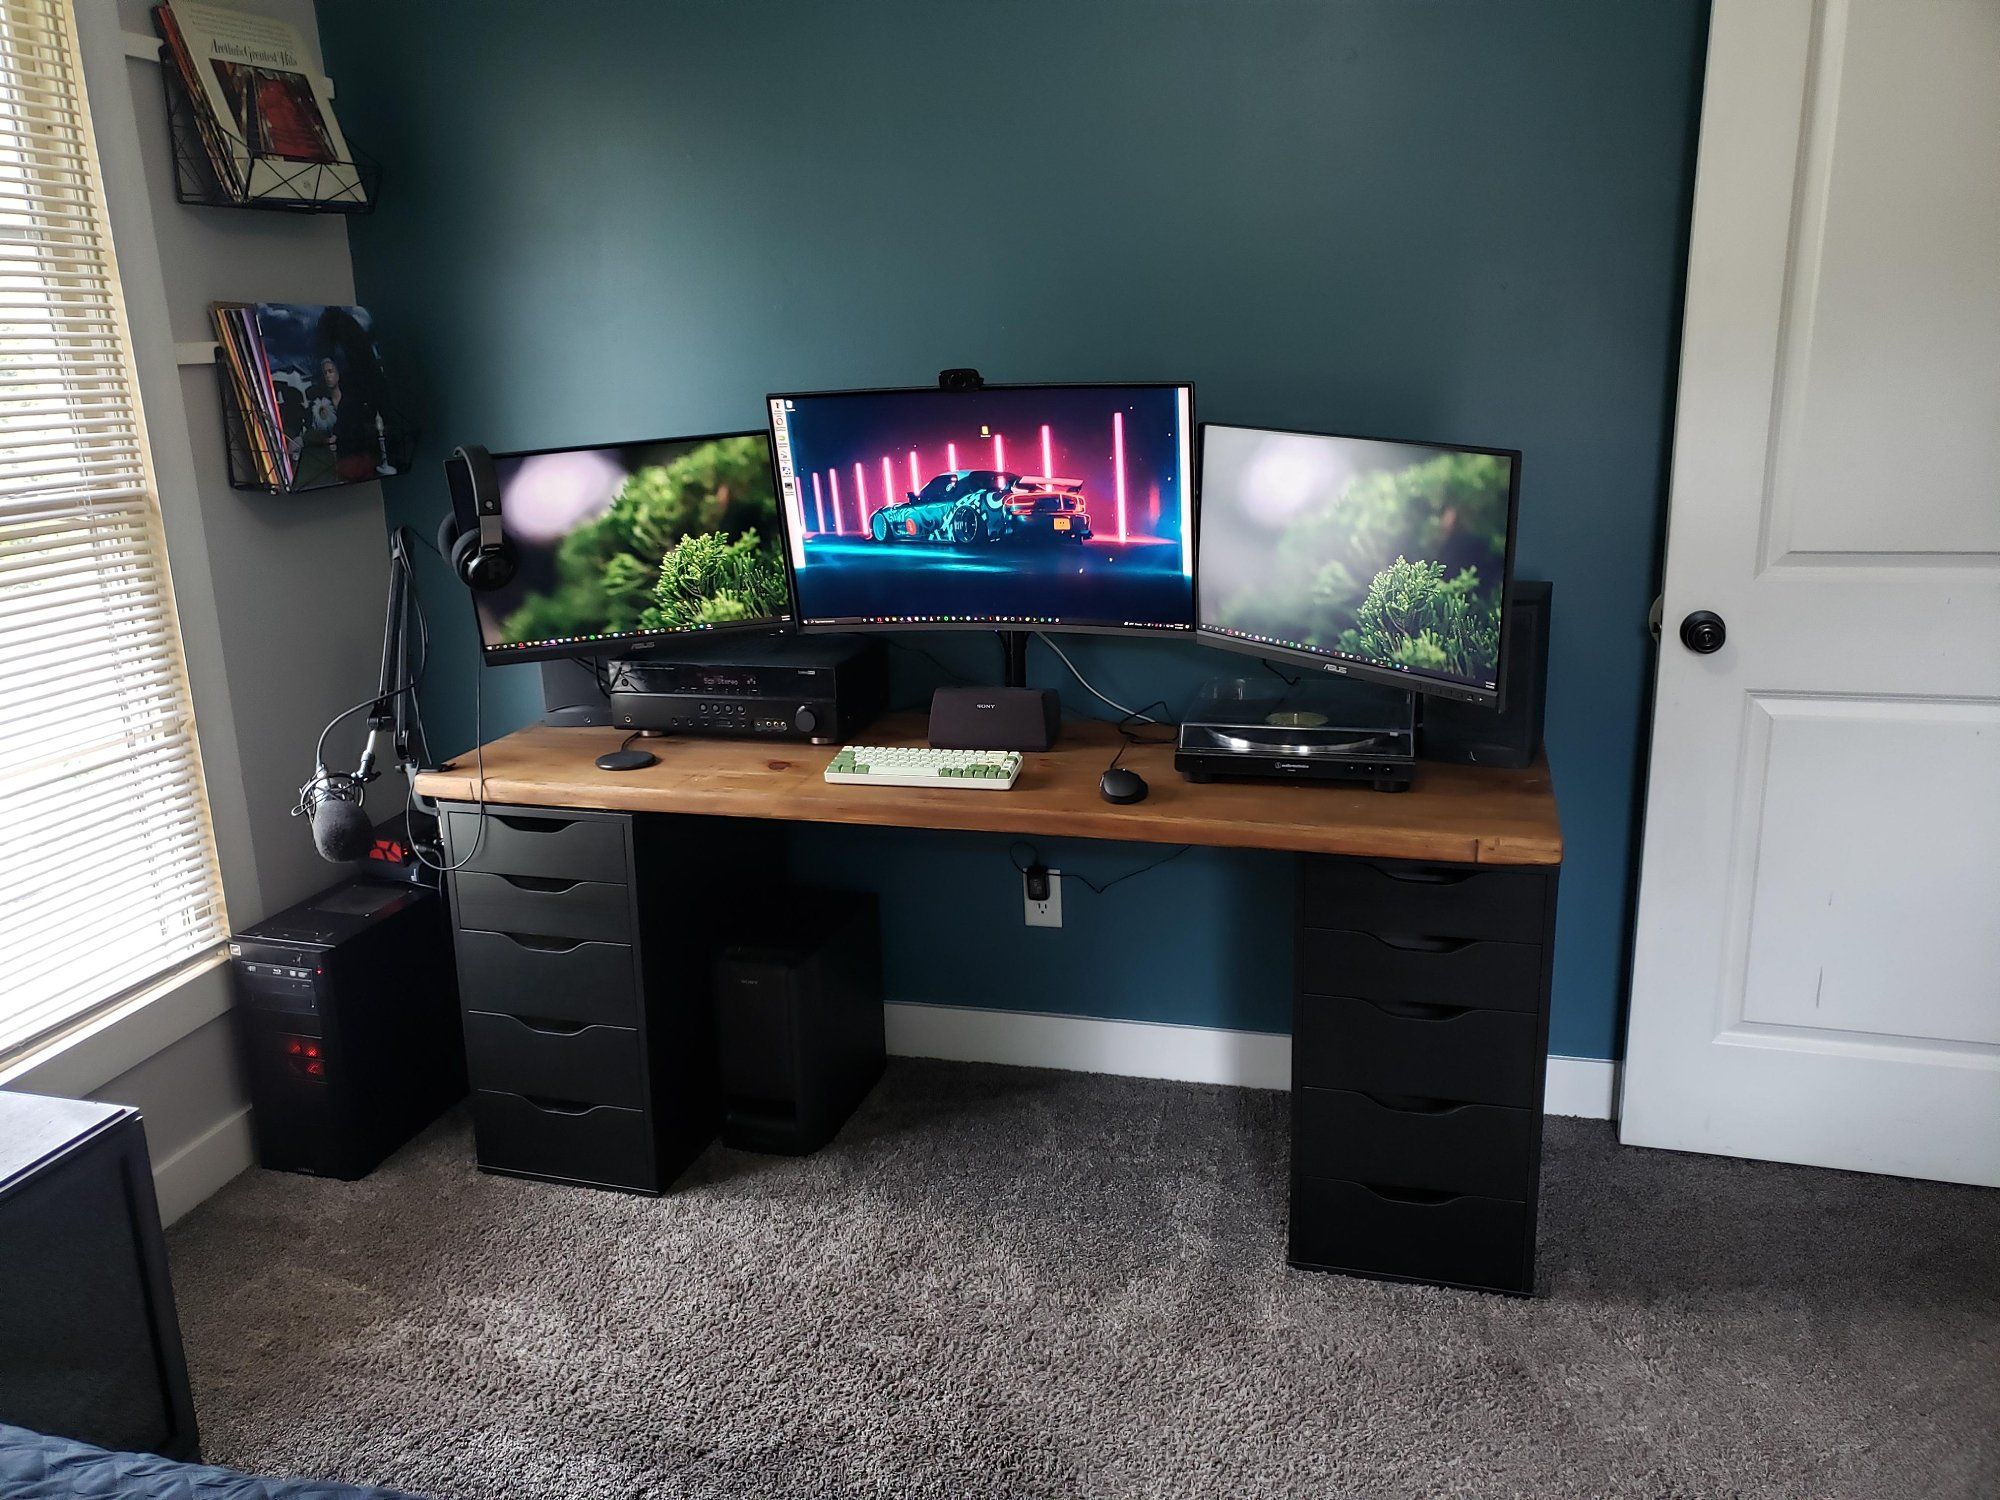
907 765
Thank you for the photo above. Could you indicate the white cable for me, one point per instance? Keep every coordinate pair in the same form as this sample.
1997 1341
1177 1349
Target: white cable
1130 713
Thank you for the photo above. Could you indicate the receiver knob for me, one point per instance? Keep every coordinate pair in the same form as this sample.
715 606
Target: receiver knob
805 721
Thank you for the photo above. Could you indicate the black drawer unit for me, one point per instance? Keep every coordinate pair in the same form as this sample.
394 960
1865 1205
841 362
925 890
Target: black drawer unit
558 979
1412 1235
1409 1142
582 941
1419 1054
565 1140
544 906
1422 967
1447 901
556 846
1437 1051
556 1059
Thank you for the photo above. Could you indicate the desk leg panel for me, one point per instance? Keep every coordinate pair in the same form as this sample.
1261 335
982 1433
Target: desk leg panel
1375 1176
667 879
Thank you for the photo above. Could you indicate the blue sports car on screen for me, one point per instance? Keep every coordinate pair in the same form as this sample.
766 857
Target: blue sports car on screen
967 507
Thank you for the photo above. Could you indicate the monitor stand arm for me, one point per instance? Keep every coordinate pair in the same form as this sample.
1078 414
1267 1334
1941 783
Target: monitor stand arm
1013 658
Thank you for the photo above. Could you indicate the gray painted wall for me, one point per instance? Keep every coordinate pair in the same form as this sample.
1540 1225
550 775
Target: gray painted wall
280 599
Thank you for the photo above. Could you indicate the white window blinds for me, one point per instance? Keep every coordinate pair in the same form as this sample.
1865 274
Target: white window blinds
107 863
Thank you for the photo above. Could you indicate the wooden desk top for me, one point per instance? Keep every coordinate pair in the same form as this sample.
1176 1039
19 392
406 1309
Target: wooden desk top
1456 814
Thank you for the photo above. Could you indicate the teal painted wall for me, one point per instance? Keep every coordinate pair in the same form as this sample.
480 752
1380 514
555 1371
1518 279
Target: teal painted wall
1448 220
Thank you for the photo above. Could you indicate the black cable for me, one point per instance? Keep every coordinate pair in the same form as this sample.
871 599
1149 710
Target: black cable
479 786
1285 678
1131 734
1141 870
600 672
953 673
321 779
1035 858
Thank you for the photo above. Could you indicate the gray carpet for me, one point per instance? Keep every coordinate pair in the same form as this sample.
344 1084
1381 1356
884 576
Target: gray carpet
1001 1282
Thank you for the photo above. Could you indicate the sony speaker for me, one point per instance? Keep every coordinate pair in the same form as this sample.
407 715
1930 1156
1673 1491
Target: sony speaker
1468 734
982 718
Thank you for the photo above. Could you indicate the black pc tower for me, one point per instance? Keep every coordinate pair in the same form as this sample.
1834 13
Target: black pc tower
799 1022
349 1013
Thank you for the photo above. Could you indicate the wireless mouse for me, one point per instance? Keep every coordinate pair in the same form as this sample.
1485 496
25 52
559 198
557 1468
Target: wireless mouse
1121 785
626 760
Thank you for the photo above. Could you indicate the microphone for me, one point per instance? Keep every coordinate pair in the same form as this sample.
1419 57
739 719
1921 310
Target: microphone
340 827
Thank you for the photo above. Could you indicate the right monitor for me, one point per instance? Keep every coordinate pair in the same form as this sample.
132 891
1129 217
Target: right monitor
1358 556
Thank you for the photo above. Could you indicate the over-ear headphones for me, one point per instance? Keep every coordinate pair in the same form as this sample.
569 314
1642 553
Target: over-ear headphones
480 553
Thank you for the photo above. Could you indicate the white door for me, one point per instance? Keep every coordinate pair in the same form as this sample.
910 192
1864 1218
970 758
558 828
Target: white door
1817 971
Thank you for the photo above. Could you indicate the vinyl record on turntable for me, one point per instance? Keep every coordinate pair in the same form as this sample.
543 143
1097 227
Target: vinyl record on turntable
1311 730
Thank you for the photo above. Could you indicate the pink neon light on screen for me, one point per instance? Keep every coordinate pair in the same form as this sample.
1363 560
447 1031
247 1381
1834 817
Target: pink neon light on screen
888 482
833 483
1118 465
951 456
860 498
915 483
1048 463
819 505
999 451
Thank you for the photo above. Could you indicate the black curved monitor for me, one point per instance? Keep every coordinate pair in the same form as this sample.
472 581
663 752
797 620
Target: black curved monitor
1034 507
1358 556
630 544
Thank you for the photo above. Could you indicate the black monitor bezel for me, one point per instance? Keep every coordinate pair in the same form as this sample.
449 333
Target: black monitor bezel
1143 632
1341 666
637 643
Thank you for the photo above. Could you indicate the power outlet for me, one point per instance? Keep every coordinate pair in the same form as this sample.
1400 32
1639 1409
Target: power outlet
1046 912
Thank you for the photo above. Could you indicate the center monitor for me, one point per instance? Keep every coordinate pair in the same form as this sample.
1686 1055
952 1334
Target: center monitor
1057 507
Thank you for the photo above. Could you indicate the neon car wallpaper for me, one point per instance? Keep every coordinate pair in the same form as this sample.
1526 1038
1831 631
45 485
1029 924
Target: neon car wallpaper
1060 505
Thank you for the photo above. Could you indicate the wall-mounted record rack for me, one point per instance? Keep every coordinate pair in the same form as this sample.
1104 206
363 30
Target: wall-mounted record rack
296 187
317 466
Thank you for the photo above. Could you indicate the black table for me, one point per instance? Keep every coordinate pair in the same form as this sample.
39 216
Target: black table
90 1345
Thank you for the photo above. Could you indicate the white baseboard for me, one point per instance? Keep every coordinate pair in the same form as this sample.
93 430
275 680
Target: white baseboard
1085 1044
203 1165
1585 1086
1151 1049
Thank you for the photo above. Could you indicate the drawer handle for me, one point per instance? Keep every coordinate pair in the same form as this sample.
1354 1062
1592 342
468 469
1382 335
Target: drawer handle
549 1027
548 1106
1410 943
1416 1104
540 883
521 824
1428 875
1426 1196
1420 1010
542 944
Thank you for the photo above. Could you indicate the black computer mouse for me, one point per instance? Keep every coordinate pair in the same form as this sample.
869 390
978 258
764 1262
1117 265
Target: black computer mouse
626 760
1121 785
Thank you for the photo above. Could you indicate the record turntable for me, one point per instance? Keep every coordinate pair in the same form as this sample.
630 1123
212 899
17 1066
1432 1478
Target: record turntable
1310 730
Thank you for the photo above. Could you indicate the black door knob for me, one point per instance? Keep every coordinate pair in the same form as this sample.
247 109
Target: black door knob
1703 632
